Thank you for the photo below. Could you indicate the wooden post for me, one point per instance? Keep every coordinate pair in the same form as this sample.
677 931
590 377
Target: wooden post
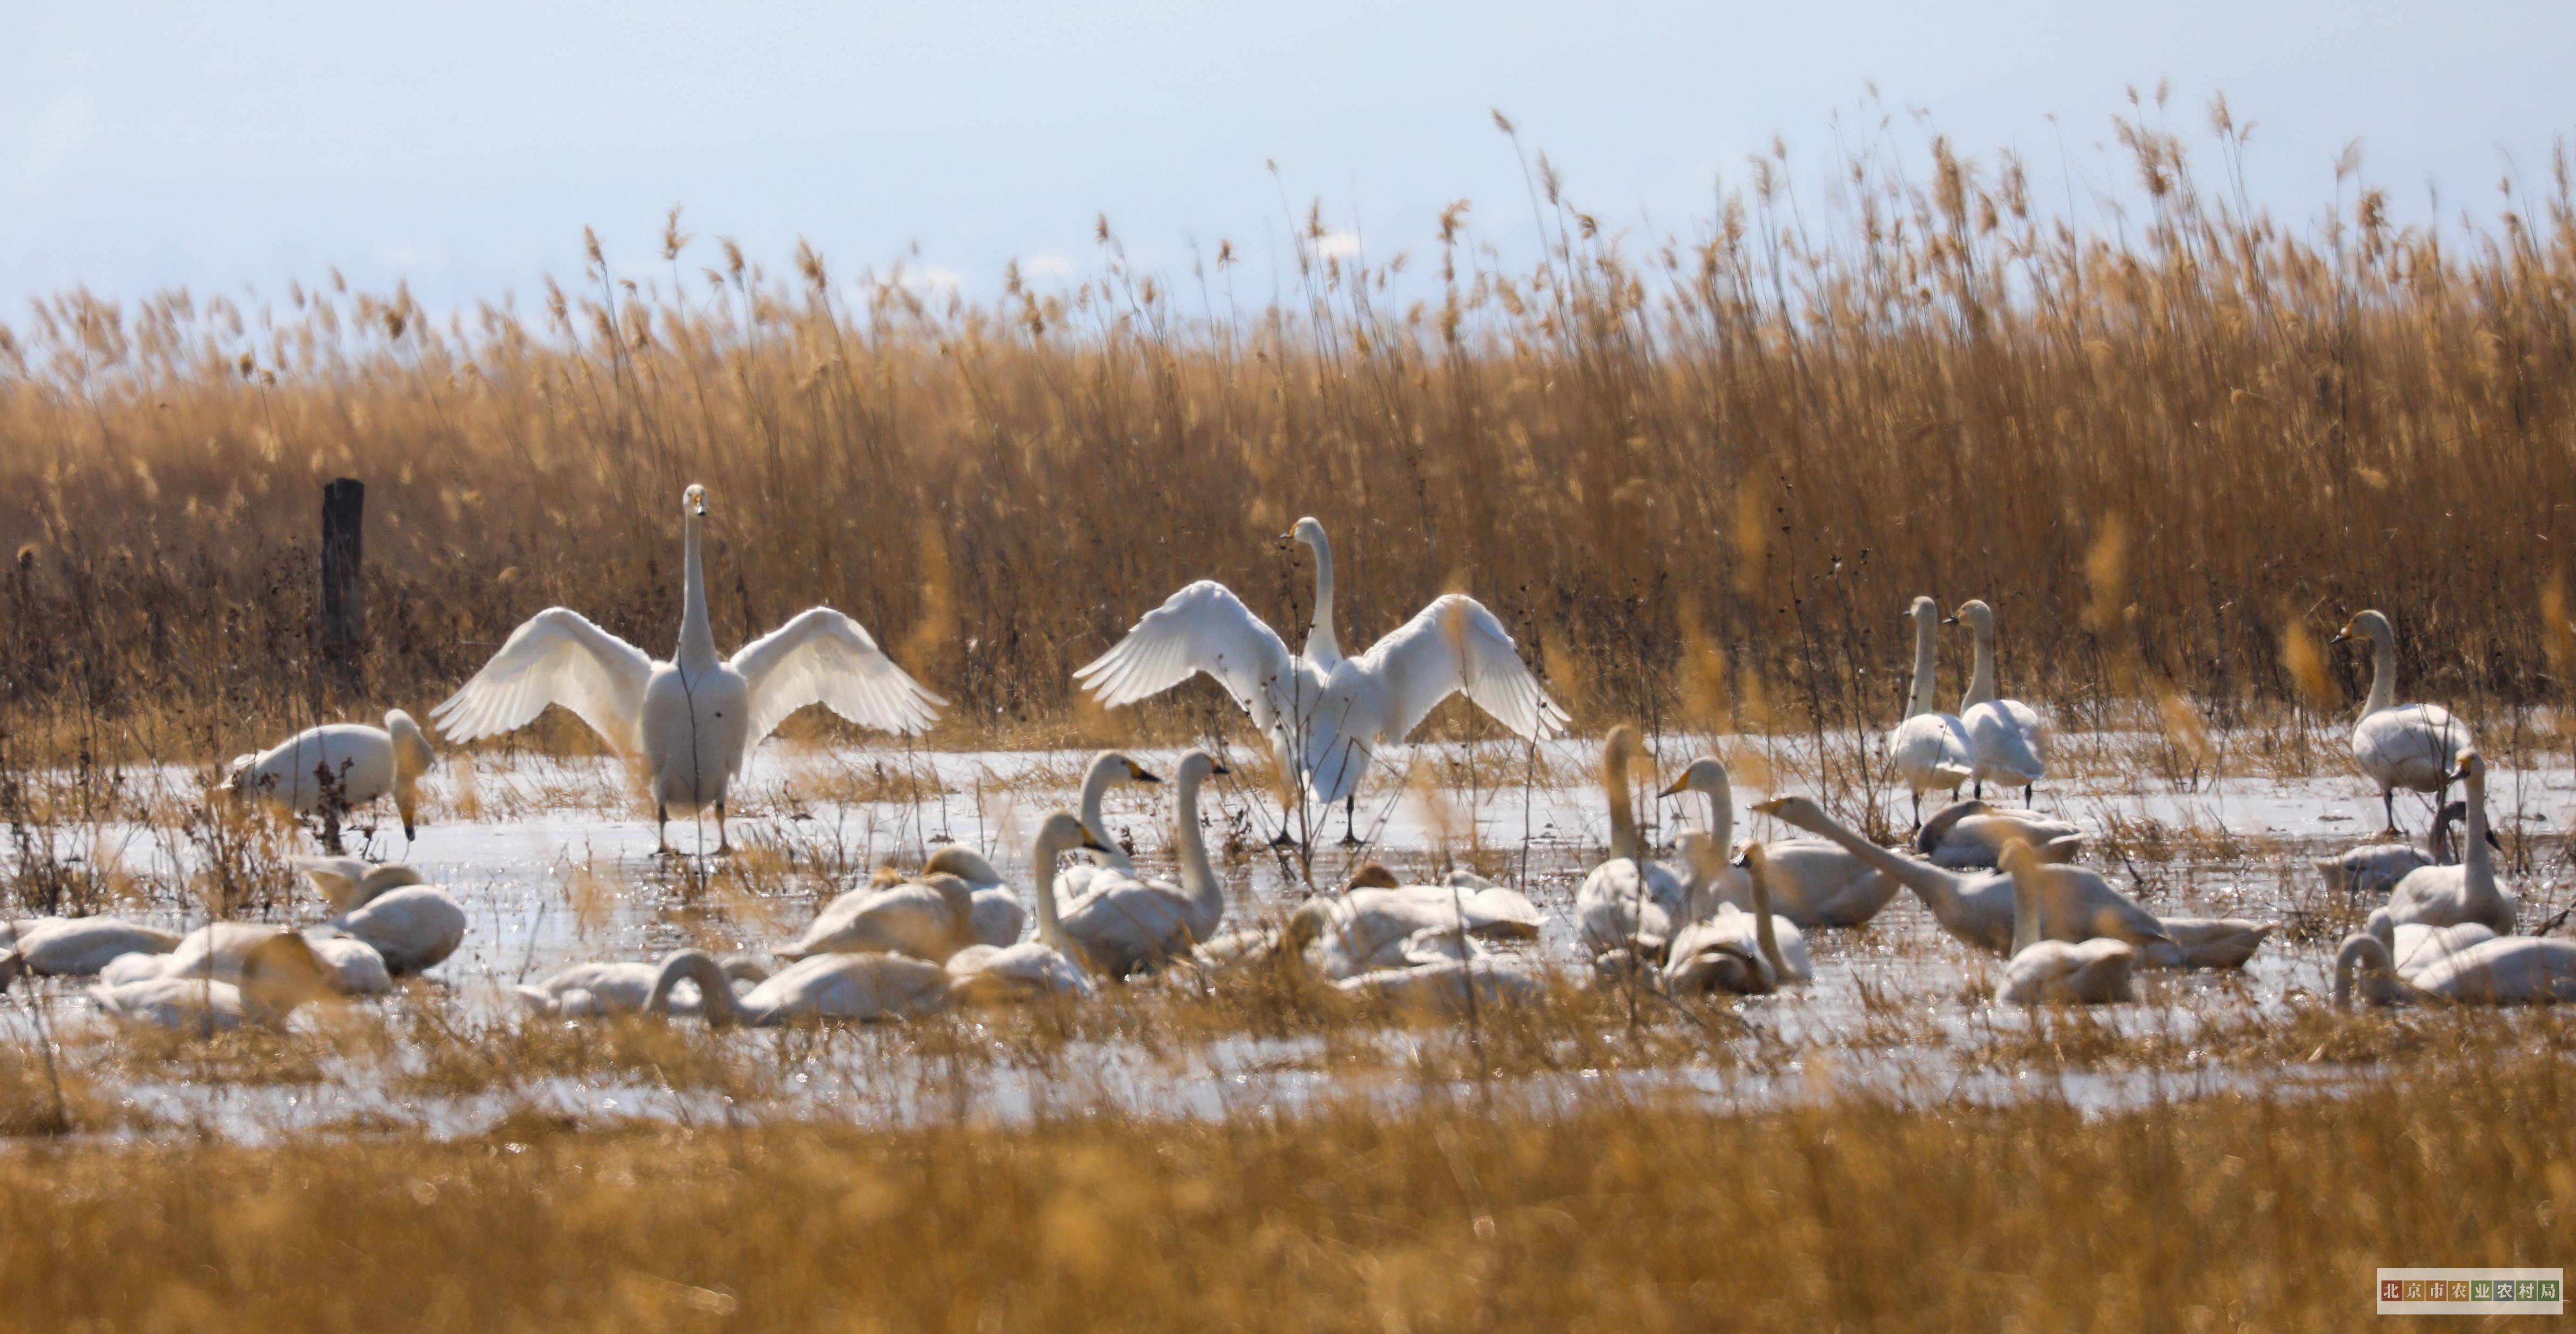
344 600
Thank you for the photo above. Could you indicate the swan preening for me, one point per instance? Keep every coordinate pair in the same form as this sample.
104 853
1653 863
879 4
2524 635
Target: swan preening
695 718
1325 714
2410 746
340 767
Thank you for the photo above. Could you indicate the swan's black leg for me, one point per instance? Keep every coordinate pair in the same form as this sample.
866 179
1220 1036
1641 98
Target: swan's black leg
662 831
2025 795
1282 839
2388 804
1351 820
724 846
1918 808
1980 789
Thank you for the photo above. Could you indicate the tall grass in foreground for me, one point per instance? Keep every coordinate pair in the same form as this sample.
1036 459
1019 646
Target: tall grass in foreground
1699 476
2268 1213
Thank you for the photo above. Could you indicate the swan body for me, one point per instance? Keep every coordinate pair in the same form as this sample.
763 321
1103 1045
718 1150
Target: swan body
1929 749
695 718
219 951
1813 882
2446 895
2007 738
350 882
1628 902
589 990
275 977
2417 947
997 916
2373 869
2056 972
1747 953
79 947
359 966
1968 834
1108 769
2507 970
414 927
2409 746
928 919
854 987
1122 925
340 767
1326 715
987 974
1448 988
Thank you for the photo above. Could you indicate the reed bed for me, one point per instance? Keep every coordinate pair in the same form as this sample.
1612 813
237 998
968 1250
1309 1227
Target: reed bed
1699 475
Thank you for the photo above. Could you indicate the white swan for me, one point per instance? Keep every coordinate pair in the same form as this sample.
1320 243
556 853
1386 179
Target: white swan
1628 902
823 986
414 925
992 974
1323 645
1748 953
587 990
2079 904
1120 925
2009 739
218 950
2371 870
340 767
2416 947
2507 970
1813 882
1376 923
1930 749
1449 988
1109 768
2468 892
2043 972
929 919
2409 747
276 976
997 914
1967 834
1326 719
694 719
78 946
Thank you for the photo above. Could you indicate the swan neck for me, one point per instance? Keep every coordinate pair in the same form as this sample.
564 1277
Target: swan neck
697 634
1721 812
2025 910
1042 859
2476 859
1198 875
1936 886
1764 933
1981 675
716 1002
1926 654
1095 787
1623 815
2383 674
1323 646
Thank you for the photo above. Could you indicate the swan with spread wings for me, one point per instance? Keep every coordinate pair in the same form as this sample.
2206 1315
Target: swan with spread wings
1326 714
695 718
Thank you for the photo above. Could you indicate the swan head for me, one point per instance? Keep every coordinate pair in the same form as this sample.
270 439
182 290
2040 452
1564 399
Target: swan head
1974 611
2368 955
2017 857
283 972
1309 530
1924 611
1707 774
693 502
1118 767
1618 748
1797 811
2370 625
1195 768
1371 875
1749 854
1062 831
2470 768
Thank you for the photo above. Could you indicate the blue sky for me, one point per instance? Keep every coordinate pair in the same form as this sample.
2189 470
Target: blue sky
462 147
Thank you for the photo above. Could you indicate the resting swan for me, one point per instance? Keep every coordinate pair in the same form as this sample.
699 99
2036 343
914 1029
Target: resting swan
1108 769
930 919
997 915
218 951
78 946
1326 718
2043 972
1747 953
412 924
1377 923
1052 963
588 990
2468 892
824 986
1930 749
1813 882
276 976
2008 738
1628 902
1119 924
2511 970
2409 747
1966 834
2373 869
340 767
694 719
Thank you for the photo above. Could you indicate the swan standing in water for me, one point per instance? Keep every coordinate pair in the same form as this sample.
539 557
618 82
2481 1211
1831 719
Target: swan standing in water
2371 870
2410 746
1813 882
1748 953
2042 972
276 976
1119 924
1628 902
2008 738
695 718
1930 749
2447 895
1326 714
340 767
412 924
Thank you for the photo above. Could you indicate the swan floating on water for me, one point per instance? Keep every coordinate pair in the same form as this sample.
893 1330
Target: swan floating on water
2044 972
588 990
414 925
1378 923
1629 902
1930 749
218 950
929 919
2409 746
2007 738
1118 924
340 767
2506 970
822 986
1969 834
1326 714
1747 953
695 718
2445 895
1109 768
1813 882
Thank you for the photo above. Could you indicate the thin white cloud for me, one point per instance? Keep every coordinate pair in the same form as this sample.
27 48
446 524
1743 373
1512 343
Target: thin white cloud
1337 245
1052 264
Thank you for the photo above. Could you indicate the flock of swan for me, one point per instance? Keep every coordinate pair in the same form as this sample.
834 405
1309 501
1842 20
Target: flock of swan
1728 917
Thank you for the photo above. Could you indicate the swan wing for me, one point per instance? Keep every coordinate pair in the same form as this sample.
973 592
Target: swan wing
1202 628
1455 644
557 657
823 657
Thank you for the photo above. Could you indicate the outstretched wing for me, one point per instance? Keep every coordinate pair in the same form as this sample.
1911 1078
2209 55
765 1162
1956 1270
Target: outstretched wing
1202 628
823 657
1454 645
558 657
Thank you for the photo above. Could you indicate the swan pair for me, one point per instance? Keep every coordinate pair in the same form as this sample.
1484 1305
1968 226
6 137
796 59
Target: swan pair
1813 883
269 980
2497 970
695 718
2410 746
2002 740
1325 714
386 924
340 767
1378 923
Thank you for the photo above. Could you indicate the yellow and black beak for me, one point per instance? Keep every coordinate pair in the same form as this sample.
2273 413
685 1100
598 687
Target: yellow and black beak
1218 767
1743 857
1090 844
1137 773
1678 786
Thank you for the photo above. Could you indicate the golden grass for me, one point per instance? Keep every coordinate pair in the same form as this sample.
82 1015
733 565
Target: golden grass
1698 476
1618 1213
